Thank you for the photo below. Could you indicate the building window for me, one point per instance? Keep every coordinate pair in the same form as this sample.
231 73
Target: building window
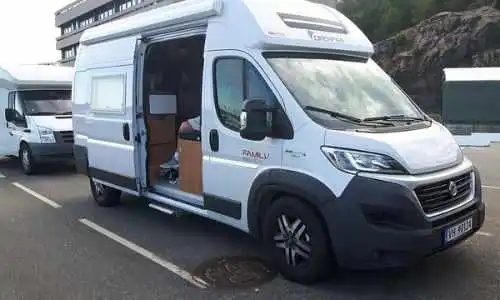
69 53
105 14
68 29
86 22
126 5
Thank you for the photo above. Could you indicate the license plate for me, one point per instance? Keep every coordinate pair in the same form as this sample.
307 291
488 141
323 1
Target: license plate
458 230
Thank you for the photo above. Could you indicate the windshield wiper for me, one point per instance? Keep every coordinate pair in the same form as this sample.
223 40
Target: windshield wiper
41 114
66 113
402 118
348 117
333 114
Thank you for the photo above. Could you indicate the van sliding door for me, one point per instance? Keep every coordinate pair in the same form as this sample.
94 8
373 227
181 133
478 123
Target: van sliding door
109 122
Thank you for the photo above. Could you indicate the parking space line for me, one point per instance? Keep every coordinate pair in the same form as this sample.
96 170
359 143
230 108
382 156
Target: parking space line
491 187
147 254
484 233
36 195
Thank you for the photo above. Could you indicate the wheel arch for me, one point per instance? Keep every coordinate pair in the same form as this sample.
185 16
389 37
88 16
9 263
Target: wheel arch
21 143
274 183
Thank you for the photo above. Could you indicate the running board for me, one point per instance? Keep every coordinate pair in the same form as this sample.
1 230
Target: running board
162 209
167 205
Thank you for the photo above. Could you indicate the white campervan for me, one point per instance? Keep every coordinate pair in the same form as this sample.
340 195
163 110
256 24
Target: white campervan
270 116
36 125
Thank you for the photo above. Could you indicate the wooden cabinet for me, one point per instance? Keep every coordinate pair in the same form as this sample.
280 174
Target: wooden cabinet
190 166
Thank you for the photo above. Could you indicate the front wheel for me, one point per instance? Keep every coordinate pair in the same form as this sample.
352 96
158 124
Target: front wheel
297 241
104 195
26 159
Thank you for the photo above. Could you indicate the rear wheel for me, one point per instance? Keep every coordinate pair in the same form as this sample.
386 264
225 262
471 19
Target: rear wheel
104 195
297 241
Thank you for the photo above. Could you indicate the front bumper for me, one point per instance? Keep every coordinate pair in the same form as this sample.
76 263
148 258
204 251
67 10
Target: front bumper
379 224
51 152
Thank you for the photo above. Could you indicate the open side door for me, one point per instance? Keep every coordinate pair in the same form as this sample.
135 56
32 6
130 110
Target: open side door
140 119
110 120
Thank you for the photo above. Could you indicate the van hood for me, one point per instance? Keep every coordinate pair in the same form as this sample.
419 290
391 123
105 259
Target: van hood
55 123
419 151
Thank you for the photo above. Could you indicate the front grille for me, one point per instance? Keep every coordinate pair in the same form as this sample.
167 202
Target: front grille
438 196
64 137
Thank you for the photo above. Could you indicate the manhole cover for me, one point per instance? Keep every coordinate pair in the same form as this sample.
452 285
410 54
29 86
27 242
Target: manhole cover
235 272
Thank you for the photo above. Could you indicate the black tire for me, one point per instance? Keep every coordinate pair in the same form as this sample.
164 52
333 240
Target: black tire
28 164
314 236
104 195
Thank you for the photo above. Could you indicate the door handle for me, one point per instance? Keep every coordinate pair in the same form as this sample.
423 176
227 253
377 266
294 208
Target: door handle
214 140
126 132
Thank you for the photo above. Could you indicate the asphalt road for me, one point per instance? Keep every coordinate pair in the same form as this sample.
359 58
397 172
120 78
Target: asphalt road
55 243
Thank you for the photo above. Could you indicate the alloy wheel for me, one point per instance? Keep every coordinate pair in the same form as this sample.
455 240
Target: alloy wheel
294 239
25 158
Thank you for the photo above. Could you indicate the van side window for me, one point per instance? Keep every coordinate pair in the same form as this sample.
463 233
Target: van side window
108 94
12 97
15 103
236 79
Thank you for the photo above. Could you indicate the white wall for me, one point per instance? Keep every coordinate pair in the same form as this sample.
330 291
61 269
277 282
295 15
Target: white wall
477 139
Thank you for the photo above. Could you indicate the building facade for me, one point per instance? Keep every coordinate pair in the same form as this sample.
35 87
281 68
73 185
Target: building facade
79 15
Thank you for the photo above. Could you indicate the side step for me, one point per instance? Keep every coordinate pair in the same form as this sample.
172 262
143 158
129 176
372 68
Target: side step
164 209
178 207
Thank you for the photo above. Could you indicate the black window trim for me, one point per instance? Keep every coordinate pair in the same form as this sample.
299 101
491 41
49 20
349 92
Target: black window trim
215 90
11 99
11 103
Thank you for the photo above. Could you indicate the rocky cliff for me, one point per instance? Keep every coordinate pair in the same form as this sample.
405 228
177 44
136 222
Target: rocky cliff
416 56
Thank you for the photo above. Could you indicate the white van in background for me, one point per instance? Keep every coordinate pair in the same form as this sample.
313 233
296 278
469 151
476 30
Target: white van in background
35 105
304 141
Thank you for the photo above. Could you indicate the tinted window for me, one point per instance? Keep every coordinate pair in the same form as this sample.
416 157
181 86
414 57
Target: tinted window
45 102
236 80
357 88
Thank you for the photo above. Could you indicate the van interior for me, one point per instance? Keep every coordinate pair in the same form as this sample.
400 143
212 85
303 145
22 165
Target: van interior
172 91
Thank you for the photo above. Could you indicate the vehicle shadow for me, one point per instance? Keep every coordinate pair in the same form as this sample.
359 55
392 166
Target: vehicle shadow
191 240
445 275
12 167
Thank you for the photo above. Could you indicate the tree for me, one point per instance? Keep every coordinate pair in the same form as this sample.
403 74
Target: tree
380 19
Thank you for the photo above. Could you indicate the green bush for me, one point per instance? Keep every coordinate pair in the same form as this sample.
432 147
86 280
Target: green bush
380 19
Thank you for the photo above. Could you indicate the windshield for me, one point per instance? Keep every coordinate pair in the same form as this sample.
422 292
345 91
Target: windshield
46 102
354 87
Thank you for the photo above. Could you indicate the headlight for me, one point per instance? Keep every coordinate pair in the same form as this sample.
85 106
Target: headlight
46 135
352 161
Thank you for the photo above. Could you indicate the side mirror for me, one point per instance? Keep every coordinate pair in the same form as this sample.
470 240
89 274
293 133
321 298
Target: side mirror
11 115
255 120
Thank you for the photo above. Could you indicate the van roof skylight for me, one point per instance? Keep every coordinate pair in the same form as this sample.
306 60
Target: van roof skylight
311 23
